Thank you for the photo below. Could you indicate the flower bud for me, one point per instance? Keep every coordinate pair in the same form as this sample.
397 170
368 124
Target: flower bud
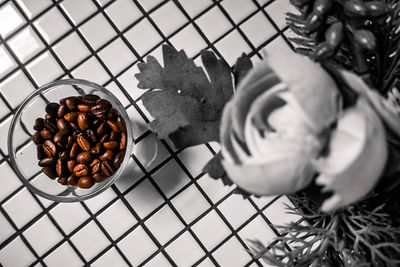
334 35
365 38
355 9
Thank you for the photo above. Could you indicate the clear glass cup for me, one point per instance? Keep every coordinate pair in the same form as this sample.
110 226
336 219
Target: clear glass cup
23 152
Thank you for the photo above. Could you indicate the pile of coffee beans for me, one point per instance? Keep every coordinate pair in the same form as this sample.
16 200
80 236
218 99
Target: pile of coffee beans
82 140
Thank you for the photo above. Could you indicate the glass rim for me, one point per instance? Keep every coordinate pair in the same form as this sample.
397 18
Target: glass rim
17 117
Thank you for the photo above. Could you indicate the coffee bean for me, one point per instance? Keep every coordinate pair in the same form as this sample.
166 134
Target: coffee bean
99 177
122 142
50 125
112 114
101 129
63 155
77 133
46 162
83 121
72 180
46 134
71 165
107 168
81 170
84 157
114 136
113 125
62 110
103 138
85 182
100 111
63 180
90 134
118 159
40 152
60 167
52 109
47 117
71 103
50 172
70 142
84 108
74 150
83 143
106 156
39 124
71 117
37 138
74 125
59 138
62 126
121 124
49 148
95 165
110 145
90 99
96 149
104 102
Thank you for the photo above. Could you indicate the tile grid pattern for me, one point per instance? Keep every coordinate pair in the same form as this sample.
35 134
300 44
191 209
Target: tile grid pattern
120 193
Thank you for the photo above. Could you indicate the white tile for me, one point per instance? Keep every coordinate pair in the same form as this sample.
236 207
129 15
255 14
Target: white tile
214 23
194 7
4 110
257 230
33 7
42 235
110 258
44 69
190 203
237 10
278 213
144 198
168 18
185 251
28 153
10 19
232 46
63 256
133 174
16 254
26 44
117 56
117 92
9 182
236 210
139 126
23 199
98 202
115 228
214 188
123 13
129 82
211 230
78 10
232 254
276 10
157 261
19 138
6 229
7 63
91 70
69 215
252 29
90 241
149 4
189 40
16 88
164 225
71 50
170 178
150 152
97 31
195 158
137 246
206 263
143 31
103 2
52 25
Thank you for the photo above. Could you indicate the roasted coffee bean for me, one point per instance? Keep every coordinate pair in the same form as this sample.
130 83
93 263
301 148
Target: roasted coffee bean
84 157
90 99
101 129
46 134
95 165
83 143
113 125
96 122
71 165
99 177
103 138
81 170
37 138
50 125
100 111
118 159
62 125
107 168
63 180
71 103
39 124
96 149
83 121
62 110
114 136
60 167
91 135
122 142
46 162
121 124
59 138
74 150
72 180
40 152
50 172
110 145
85 182
83 107
77 133
71 117
104 102
112 114
47 117
107 155
70 142
52 109
74 125
49 148
63 155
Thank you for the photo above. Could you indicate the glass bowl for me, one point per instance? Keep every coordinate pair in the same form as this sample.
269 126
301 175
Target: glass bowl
23 151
